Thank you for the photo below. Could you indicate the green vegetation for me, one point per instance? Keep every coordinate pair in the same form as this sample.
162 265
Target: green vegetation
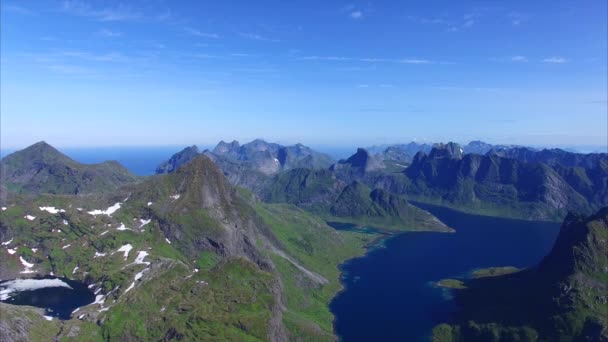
494 271
563 298
451 284
316 247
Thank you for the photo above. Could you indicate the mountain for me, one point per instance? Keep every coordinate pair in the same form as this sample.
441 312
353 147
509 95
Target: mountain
178 159
184 255
258 157
401 152
497 185
362 206
357 166
40 168
480 147
564 298
552 157
323 193
313 190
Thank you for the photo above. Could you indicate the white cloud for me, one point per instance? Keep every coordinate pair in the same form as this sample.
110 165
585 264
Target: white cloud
356 14
198 33
415 61
120 12
555 60
109 33
371 60
17 9
254 36
519 59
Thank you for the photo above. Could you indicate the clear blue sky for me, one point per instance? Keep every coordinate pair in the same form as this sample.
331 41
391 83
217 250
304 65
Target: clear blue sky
103 73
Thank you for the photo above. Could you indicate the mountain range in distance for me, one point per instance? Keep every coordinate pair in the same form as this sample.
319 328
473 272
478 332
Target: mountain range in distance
234 242
478 177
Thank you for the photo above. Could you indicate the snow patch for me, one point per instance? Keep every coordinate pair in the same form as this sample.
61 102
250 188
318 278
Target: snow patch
34 250
140 258
144 222
65 222
123 227
169 242
48 318
175 196
66 246
104 233
97 255
75 269
25 263
108 211
29 217
125 249
52 210
11 251
6 243
149 204
19 285
3 208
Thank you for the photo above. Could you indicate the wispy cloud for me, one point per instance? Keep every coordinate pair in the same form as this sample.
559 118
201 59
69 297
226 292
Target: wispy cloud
201 34
68 56
109 33
371 60
517 18
519 59
17 9
555 60
428 20
254 36
120 12
356 14
71 69
384 85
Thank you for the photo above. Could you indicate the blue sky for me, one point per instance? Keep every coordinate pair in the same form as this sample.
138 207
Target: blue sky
103 73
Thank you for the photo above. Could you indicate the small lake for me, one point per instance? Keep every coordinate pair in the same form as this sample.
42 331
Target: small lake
58 296
388 293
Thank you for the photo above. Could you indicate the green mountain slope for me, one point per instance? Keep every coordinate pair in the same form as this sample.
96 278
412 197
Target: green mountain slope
40 168
564 298
183 255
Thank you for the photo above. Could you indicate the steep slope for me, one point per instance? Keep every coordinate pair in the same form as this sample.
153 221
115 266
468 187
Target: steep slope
552 157
480 147
564 298
403 152
321 192
495 185
253 164
40 168
359 205
357 166
314 190
183 255
177 160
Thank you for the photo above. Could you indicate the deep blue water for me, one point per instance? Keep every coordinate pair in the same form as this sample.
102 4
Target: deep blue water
57 301
388 293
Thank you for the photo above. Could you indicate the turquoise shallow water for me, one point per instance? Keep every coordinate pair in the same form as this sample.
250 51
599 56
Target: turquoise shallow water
389 294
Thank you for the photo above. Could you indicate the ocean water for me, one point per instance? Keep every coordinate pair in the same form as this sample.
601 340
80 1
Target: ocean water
389 293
